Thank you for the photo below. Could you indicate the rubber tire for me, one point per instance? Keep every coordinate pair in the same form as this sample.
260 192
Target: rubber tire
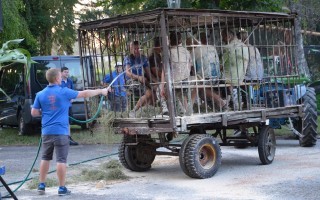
307 125
266 145
182 155
23 129
140 157
202 156
121 150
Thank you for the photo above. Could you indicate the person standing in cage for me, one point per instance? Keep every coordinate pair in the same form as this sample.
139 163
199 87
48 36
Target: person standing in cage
137 70
208 68
52 104
67 82
235 59
156 67
118 97
254 71
180 63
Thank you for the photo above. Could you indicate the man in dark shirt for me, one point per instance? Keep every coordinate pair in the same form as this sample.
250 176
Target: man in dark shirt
67 82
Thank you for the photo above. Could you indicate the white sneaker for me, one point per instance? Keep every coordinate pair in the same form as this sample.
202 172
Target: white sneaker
132 114
164 108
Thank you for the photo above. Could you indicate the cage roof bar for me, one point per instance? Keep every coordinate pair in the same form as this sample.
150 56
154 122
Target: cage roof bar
154 14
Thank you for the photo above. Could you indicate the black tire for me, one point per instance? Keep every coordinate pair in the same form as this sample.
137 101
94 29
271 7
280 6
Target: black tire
182 155
266 145
202 156
307 125
121 151
23 128
140 157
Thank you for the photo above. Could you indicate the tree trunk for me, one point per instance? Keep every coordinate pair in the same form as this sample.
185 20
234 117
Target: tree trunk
301 60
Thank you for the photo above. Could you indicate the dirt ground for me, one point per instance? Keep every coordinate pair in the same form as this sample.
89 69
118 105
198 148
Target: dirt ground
294 174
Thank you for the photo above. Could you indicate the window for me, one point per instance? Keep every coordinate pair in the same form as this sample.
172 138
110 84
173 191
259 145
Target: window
12 78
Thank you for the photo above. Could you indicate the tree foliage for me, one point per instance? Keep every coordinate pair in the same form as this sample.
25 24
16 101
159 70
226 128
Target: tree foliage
15 26
115 7
252 5
51 21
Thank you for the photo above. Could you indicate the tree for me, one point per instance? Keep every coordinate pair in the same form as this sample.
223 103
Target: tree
15 26
51 21
253 5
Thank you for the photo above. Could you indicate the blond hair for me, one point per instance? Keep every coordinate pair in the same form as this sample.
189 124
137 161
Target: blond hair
52 74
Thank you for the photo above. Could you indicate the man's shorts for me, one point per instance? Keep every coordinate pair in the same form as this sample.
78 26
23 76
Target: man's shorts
117 103
59 143
136 88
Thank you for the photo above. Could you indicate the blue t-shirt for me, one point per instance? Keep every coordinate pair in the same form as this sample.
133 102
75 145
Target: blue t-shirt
118 85
68 84
136 64
54 103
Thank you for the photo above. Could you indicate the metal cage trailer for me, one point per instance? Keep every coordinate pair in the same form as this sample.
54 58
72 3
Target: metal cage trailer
218 78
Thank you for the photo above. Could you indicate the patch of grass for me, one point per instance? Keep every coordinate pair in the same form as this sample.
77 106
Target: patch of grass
50 182
101 133
9 136
112 164
116 174
93 175
111 170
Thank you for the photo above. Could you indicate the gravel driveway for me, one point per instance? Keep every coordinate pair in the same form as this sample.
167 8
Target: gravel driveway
294 174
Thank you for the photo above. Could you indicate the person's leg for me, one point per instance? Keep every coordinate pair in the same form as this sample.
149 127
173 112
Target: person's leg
61 173
62 150
47 152
144 100
44 168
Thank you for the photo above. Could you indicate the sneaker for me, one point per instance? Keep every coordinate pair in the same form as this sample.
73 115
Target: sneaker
164 107
42 188
132 114
72 142
63 191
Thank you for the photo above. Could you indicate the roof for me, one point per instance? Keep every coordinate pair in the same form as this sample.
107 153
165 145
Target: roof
148 17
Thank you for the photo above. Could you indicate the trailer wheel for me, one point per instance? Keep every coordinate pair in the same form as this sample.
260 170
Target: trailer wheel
140 157
121 150
307 125
202 156
182 155
136 157
266 145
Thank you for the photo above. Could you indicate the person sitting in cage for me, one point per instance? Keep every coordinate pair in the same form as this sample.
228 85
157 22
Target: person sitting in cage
208 68
156 66
180 63
117 98
235 59
137 71
254 71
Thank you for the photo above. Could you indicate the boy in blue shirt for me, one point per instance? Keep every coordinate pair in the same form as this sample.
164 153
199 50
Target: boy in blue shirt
118 97
52 103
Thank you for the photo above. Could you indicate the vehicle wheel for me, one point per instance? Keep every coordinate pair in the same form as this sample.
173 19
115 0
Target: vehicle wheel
307 125
182 155
202 156
137 157
266 145
140 157
24 129
121 150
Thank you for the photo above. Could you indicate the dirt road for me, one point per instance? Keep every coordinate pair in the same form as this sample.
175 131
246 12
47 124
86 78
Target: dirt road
294 174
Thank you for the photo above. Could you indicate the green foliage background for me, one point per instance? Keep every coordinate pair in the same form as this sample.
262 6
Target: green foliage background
46 22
